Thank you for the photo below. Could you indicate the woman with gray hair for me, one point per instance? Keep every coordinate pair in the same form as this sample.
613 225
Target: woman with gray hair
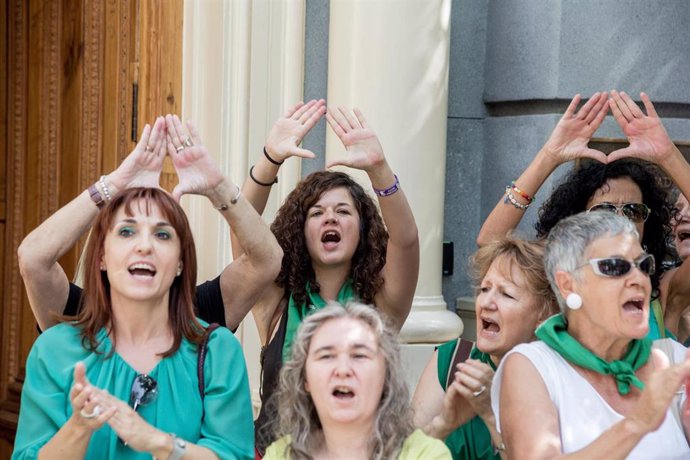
342 393
594 386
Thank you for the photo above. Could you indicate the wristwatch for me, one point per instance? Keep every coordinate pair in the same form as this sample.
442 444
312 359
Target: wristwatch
179 448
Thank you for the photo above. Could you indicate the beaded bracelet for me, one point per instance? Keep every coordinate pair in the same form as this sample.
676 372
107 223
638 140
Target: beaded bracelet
390 190
510 197
521 192
258 182
106 190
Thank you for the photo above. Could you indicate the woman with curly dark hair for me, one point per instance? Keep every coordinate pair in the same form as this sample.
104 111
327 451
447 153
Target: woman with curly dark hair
627 181
335 244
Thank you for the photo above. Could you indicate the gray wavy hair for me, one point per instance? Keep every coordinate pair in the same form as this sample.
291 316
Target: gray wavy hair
297 416
569 239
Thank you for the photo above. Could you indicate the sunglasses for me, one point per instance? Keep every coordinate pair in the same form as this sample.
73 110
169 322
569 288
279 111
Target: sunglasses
617 266
144 391
635 212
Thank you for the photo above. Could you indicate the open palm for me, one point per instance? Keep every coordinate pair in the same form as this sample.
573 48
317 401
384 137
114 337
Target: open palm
361 143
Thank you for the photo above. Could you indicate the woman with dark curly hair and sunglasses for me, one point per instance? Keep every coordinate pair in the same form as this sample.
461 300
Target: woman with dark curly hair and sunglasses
626 182
593 385
335 244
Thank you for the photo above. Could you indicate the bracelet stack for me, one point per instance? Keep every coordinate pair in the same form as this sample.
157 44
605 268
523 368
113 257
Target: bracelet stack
511 198
98 197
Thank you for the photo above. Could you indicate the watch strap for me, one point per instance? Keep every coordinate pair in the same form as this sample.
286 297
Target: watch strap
96 196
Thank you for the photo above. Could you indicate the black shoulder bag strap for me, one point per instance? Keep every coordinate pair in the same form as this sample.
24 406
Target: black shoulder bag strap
201 351
460 354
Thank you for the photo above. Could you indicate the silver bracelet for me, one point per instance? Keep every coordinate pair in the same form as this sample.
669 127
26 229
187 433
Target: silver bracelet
106 191
224 206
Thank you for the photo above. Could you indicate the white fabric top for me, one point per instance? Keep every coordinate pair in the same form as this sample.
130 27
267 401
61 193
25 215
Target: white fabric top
583 414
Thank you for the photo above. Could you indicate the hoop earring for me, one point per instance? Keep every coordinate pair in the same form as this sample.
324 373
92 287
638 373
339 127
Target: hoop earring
573 301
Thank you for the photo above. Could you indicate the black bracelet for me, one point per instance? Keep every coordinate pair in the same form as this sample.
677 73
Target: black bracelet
251 174
277 163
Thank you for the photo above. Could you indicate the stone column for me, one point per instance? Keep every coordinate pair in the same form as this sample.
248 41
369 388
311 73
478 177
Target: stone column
390 59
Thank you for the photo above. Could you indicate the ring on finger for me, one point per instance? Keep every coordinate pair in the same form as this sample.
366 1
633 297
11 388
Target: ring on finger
93 414
180 148
148 148
479 392
187 142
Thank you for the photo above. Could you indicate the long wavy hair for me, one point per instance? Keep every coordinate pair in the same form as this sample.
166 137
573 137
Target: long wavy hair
572 195
528 257
288 227
298 417
96 311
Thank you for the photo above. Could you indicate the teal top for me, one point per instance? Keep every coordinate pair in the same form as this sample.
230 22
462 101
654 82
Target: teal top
656 322
473 439
224 423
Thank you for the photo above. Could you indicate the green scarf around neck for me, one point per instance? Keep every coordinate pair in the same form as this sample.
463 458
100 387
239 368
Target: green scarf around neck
297 312
554 333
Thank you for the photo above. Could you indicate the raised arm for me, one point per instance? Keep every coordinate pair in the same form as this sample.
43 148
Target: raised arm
243 281
568 142
364 152
46 283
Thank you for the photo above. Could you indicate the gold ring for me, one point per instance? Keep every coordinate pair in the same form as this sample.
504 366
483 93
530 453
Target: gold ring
148 148
181 147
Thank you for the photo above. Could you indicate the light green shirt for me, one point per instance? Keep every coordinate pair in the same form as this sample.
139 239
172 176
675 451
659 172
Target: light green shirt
417 446
226 428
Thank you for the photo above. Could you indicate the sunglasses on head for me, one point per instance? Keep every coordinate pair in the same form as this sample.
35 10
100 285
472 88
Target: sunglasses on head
144 391
618 266
636 212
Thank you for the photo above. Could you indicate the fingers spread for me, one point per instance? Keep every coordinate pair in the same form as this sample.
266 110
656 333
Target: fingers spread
649 107
334 124
588 106
360 118
293 109
570 111
193 132
349 116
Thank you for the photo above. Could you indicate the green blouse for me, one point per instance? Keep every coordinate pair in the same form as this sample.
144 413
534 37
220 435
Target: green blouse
473 439
223 423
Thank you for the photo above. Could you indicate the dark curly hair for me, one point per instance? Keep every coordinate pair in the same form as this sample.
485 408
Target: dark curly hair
288 228
572 195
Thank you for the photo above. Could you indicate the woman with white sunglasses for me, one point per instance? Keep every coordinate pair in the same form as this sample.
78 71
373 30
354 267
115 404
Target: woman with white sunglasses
593 386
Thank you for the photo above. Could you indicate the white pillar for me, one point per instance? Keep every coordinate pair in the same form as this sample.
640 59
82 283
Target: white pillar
242 67
390 58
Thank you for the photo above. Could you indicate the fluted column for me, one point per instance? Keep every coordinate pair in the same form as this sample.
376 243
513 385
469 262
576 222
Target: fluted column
391 60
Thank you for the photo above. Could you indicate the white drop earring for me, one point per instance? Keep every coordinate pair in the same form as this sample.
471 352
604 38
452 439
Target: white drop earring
573 301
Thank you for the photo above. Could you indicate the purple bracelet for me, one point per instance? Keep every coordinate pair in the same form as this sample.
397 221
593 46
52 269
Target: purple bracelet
390 190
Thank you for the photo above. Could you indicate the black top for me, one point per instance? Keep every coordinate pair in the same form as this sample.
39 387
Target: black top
208 302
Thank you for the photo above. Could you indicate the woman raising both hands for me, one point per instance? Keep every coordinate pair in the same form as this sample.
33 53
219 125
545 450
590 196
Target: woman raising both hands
335 243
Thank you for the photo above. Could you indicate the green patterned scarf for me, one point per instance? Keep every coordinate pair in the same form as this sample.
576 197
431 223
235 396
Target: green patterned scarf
297 312
554 333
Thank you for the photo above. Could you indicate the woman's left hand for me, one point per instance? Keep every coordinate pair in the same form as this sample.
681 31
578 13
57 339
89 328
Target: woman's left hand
130 427
364 150
647 136
474 378
195 167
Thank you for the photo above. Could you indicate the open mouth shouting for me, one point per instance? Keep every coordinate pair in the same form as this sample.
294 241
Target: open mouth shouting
343 393
635 305
330 238
142 270
489 326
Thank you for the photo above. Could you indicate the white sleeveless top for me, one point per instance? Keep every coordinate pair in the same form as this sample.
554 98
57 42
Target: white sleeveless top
583 414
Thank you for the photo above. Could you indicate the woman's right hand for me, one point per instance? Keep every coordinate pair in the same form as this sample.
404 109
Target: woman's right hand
289 130
575 129
143 166
87 410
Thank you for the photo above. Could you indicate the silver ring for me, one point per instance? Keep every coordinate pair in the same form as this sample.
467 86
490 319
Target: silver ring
181 147
187 142
480 391
93 414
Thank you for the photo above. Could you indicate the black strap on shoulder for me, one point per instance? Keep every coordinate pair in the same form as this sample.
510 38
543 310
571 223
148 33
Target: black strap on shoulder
460 354
201 350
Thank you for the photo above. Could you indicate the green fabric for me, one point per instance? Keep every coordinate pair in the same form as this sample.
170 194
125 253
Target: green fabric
226 428
417 446
297 312
657 329
554 332
473 439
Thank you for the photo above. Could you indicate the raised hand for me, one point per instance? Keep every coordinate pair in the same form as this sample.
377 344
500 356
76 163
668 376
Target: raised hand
646 134
195 168
142 167
288 131
363 148
87 409
573 132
